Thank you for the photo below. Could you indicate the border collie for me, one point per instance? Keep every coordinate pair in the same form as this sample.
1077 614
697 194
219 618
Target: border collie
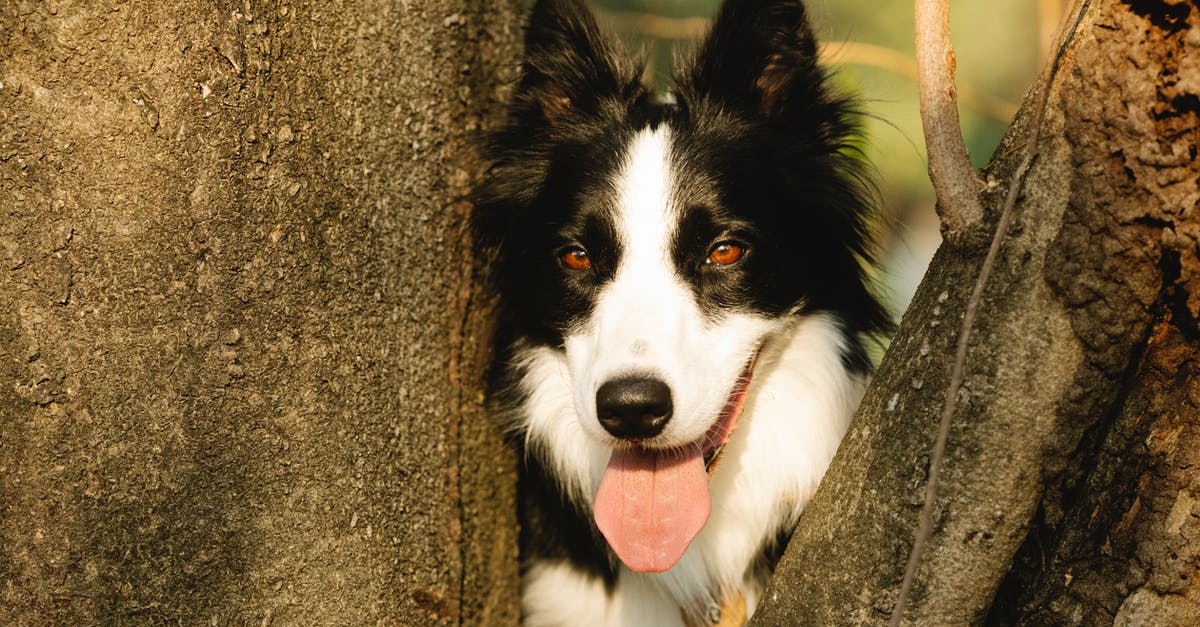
683 311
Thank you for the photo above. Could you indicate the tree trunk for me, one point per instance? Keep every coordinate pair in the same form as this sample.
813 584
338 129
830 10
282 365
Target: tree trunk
240 335
1071 487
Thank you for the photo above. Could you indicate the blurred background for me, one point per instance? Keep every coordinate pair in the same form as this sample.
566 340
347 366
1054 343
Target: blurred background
869 45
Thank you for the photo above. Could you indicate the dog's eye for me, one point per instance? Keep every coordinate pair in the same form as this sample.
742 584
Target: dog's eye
725 253
576 258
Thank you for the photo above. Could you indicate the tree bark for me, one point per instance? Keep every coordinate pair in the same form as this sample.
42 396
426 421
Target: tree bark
240 335
1070 490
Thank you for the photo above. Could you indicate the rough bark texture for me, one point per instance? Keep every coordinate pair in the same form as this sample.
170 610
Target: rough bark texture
239 337
1118 533
1071 486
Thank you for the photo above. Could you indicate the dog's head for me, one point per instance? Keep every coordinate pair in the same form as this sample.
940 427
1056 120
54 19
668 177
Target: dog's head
659 242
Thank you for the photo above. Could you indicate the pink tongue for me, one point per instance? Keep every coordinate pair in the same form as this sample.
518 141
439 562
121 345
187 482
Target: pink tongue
651 505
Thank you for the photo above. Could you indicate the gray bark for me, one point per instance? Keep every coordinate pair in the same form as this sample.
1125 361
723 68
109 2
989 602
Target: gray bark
240 339
1069 490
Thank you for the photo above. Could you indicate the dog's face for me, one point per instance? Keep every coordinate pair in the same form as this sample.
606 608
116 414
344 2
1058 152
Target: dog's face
668 294
660 243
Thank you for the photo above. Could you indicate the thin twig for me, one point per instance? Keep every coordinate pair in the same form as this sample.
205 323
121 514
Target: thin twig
831 52
868 55
925 527
955 182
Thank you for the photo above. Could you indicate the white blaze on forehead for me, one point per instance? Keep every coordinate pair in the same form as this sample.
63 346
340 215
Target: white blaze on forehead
635 327
645 216
646 313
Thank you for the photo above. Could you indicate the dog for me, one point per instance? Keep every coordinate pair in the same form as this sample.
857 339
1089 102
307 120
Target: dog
684 311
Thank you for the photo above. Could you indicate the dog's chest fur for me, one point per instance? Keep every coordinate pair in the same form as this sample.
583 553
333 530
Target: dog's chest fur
792 424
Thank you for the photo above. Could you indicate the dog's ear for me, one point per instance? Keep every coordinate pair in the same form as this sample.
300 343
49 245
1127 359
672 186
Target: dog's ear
760 58
569 65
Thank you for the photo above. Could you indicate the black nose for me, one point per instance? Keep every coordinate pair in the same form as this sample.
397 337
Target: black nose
635 408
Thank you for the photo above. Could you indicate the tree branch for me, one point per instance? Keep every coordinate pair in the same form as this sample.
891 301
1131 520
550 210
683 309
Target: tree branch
957 185
925 526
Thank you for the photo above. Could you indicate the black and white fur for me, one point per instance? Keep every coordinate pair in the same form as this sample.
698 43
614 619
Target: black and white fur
751 146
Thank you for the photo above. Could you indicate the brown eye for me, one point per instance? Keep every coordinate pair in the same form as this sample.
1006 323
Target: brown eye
576 259
725 253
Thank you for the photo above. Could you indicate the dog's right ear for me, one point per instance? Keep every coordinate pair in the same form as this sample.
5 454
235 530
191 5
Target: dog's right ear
570 67
761 59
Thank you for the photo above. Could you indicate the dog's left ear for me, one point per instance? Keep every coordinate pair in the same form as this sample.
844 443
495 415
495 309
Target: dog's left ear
760 58
570 66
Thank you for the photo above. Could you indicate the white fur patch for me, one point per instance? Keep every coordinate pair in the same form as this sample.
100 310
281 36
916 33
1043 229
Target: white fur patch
554 594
